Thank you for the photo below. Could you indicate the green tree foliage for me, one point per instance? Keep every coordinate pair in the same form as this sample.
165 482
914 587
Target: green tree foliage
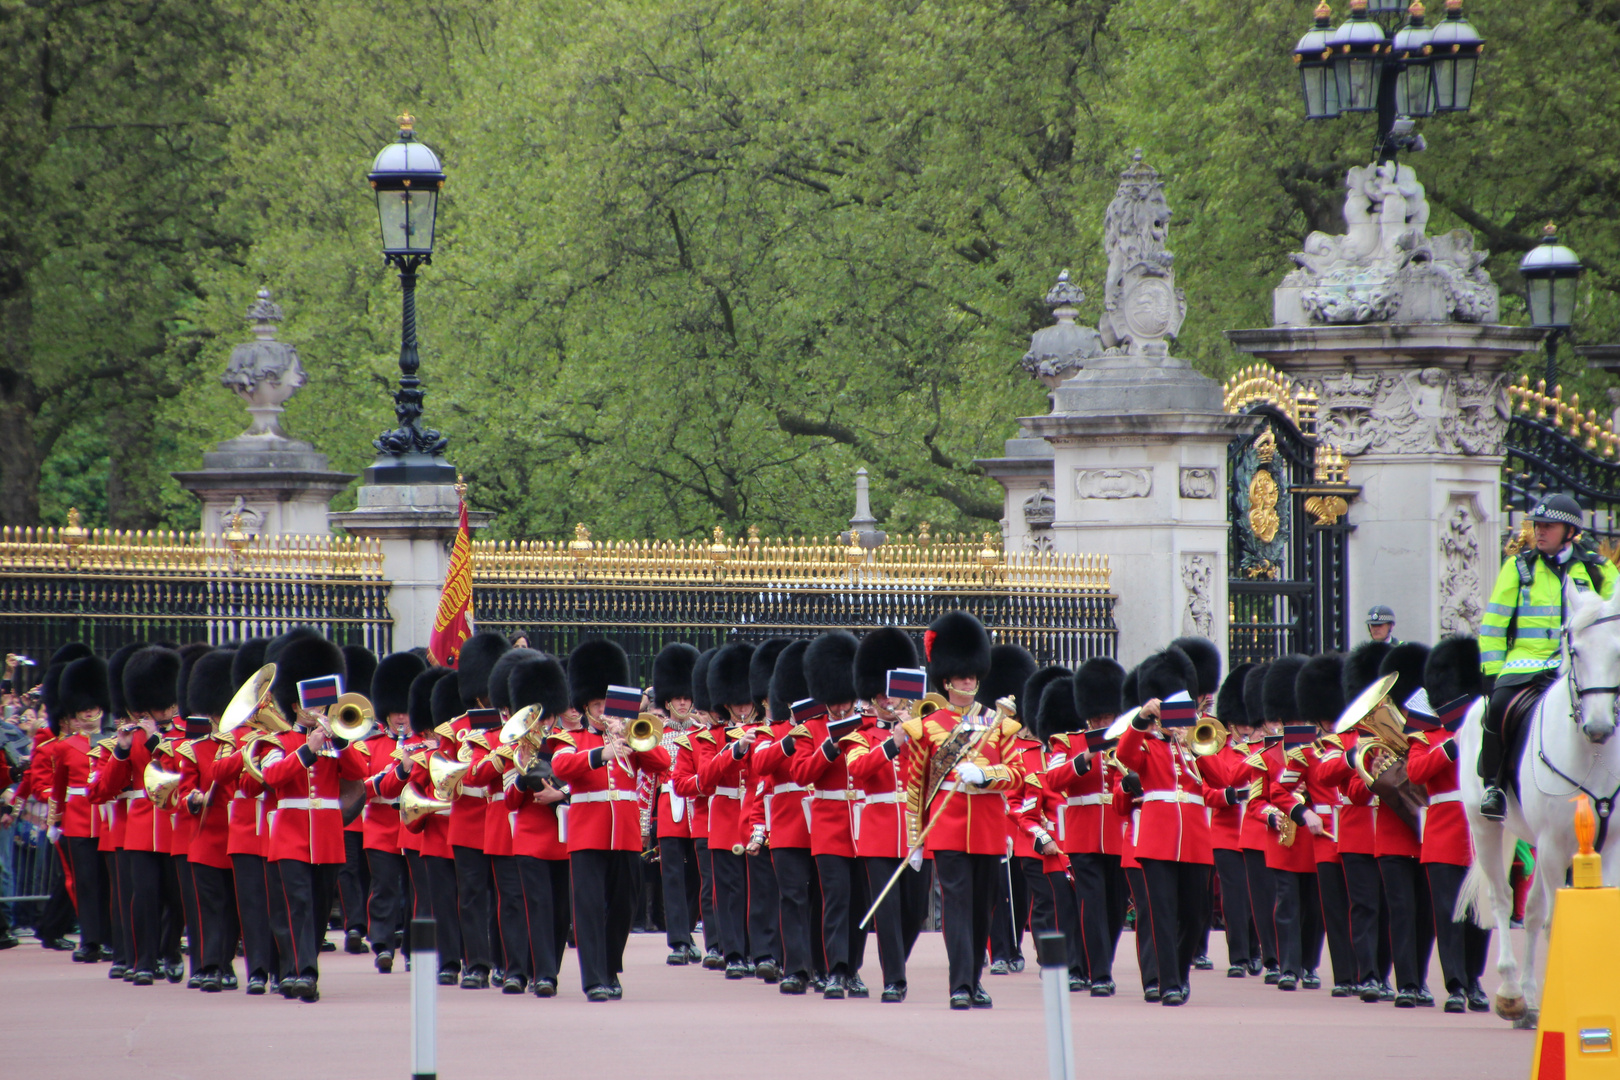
699 259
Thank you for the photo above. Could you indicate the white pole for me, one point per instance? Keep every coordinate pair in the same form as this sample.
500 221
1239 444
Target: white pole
1052 951
425 999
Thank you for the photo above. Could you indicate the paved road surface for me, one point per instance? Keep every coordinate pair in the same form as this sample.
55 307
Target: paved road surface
65 1021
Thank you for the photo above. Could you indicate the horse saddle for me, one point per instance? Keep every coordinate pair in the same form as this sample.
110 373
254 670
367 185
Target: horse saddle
1516 727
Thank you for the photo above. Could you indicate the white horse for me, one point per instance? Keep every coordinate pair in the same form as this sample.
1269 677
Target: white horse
1568 750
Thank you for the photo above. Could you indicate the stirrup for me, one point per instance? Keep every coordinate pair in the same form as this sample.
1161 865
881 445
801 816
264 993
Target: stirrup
1493 805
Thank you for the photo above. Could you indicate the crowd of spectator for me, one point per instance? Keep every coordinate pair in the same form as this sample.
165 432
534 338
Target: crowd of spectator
24 850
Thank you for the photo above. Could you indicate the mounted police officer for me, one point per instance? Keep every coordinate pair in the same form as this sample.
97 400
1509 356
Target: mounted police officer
1519 640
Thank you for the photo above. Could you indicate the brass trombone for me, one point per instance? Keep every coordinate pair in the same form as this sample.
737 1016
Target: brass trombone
644 733
351 719
1207 737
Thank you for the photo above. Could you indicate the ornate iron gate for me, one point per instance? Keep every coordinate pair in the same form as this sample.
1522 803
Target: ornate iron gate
1551 446
1286 501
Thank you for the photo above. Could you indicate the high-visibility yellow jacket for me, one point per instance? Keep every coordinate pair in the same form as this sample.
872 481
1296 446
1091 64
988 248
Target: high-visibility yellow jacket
1526 610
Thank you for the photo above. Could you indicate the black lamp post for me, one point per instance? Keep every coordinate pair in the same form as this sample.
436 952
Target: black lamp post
1551 272
406 177
1384 59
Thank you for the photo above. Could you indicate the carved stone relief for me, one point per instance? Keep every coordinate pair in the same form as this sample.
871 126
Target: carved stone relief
1460 586
1198 482
1198 579
1426 411
1113 483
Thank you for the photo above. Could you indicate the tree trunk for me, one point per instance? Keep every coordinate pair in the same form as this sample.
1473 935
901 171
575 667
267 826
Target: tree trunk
19 401
133 498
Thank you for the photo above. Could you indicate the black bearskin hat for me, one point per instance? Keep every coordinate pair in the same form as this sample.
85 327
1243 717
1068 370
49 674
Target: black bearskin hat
538 680
152 680
1010 668
881 651
60 659
500 677
728 676
1452 670
272 651
957 646
1277 696
1206 660
115 678
82 686
788 682
1029 695
829 667
672 673
360 666
1130 692
1166 673
1405 661
1361 667
1055 711
209 689
189 655
445 701
1319 689
1099 688
761 664
477 660
300 659
594 666
1254 693
1229 703
391 684
249 658
419 702
701 701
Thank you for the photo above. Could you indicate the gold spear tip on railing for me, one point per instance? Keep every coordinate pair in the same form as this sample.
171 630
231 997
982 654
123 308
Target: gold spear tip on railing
990 554
580 546
719 551
73 533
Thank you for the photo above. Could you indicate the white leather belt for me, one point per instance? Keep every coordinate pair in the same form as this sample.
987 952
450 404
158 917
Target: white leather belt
1445 797
77 791
784 787
603 796
1094 799
308 804
1173 796
727 793
1322 809
476 792
836 796
886 797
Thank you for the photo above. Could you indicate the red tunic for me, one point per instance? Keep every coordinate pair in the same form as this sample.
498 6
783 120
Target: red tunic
692 748
724 777
41 769
1024 807
145 828
1285 789
786 813
880 816
107 793
537 830
209 842
1087 823
1445 824
974 820
1391 835
821 767
489 766
307 825
1221 770
380 815
602 812
69 790
673 812
1035 822
1172 823
467 810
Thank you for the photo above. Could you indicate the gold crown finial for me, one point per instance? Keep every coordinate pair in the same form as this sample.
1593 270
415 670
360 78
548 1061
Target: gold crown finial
1549 229
1358 6
407 122
1323 11
1416 10
461 485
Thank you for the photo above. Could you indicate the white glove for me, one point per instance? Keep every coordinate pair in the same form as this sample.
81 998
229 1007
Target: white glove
970 773
915 860
53 834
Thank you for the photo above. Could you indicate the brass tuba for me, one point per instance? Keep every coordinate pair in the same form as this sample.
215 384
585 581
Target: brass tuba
644 733
160 785
1380 752
1207 737
413 806
252 705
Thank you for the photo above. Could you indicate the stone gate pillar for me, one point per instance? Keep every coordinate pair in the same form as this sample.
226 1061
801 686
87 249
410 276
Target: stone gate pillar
1395 332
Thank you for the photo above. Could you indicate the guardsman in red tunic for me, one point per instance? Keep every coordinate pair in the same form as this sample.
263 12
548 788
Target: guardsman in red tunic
820 766
205 812
306 837
764 957
1398 850
677 860
872 759
113 802
722 763
82 699
1048 698
692 748
1453 685
1226 774
1206 660
1090 833
1369 919
785 815
1257 833
533 798
492 761
150 692
1292 855
354 880
1010 667
1172 829
390 693
972 759
604 827
56 919
1320 693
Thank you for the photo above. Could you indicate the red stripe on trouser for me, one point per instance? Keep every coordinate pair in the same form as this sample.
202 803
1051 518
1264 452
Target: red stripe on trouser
292 932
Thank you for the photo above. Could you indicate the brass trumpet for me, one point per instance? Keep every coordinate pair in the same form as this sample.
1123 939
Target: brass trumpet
160 785
644 733
413 806
1207 737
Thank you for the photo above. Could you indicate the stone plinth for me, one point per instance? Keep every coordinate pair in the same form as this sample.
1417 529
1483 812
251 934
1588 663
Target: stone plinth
278 485
1420 411
416 524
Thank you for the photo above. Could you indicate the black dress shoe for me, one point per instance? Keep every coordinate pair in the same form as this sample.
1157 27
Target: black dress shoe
1015 965
545 988
1150 993
1493 804
475 979
116 971
768 972
1456 1002
856 988
275 985
174 973
129 974
1477 1001
142 978
1368 991
292 987
1236 971
513 984
1342 990
1424 998
792 984
713 961
834 990
981 1000
1311 981
1102 988
385 961
615 991
598 993
998 967
1288 981
328 946
255 986
1177 996
354 943
1255 967
56 944
102 954
1406 999
1272 975
1203 963
1386 992
227 981
448 976
894 992
1078 984
209 982
961 999
736 970
81 955
749 967
677 957
693 955
9 940
818 983
195 982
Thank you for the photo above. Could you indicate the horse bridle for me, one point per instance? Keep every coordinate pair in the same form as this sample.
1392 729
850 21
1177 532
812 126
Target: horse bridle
1604 806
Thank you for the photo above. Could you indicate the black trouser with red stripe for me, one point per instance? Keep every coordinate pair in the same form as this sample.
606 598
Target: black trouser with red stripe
1262 903
764 909
604 902
300 898
795 877
1335 893
253 914
213 897
473 889
146 871
117 912
887 922
1299 922
385 901
513 913
1147 955
1100 892
844 899
539 955
1010 918
730 903
188 908
354 881
1052 906
677 867
1369 930
1462 945
1178 907
967 885
1411 919
90 890
441 881
705 865
1234 904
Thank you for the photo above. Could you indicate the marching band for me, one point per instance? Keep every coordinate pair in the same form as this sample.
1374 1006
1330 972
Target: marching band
790 797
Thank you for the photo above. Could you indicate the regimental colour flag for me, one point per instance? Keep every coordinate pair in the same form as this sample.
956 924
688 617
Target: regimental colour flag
454 623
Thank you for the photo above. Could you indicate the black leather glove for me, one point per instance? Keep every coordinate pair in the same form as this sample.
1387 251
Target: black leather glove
1132 785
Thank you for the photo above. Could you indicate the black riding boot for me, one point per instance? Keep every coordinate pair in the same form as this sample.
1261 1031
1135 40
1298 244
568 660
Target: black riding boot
1492 761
